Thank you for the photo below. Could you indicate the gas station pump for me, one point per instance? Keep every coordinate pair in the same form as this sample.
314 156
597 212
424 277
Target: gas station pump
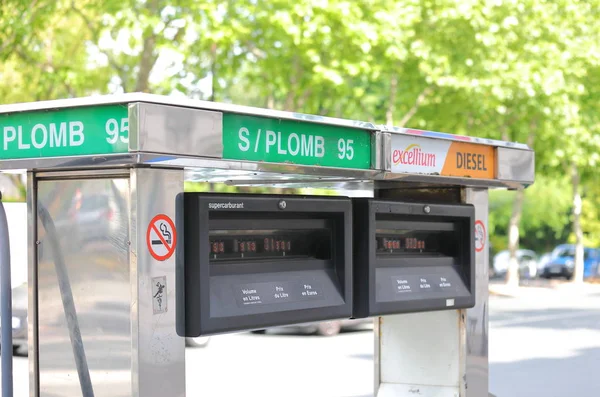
255 262
124 264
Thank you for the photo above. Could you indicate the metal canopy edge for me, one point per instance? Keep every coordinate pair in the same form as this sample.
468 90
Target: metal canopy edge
184 133
248 110
181 102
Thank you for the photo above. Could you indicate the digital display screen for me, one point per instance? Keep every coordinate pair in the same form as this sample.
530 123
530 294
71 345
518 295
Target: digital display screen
228 245
416 242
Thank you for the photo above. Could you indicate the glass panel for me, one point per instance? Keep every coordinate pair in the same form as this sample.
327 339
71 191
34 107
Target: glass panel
96 266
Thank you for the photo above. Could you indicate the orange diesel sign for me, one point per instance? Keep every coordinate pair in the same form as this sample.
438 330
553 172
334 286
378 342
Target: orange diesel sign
442 157
467 159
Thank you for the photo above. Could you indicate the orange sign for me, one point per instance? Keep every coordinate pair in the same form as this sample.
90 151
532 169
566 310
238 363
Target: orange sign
470 160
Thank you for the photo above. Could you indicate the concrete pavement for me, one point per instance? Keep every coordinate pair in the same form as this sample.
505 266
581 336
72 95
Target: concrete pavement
545 341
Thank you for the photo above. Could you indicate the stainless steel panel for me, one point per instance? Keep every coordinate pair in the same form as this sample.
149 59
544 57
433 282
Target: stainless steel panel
133 113
376 354
387 151
91 217
87 174
70 163
376 150
515 165
239 171
477 317
158 366
437 180
177 130
32 282
249 168
420 352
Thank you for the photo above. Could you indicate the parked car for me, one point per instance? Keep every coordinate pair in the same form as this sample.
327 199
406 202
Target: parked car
324 328
527 259
19 319
543 262
562 263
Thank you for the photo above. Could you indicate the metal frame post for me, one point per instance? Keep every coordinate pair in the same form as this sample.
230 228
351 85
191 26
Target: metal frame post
158 360
477 364
32 286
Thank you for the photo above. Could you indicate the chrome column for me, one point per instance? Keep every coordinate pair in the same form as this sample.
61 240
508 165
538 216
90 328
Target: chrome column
32 282
477 317
158 353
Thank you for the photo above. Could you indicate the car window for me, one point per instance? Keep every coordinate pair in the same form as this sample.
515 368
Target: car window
527 257
566 253
570 253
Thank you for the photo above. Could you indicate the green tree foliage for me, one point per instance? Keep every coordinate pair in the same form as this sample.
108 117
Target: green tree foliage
524 71
546 215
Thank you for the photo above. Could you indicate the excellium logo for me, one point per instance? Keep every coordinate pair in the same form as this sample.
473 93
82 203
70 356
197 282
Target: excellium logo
413 155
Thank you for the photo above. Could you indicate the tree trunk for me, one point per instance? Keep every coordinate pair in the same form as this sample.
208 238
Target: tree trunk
413 110
577 206
213 73
270 101
148 57
389 114
19 182
147 61
290 99
512 275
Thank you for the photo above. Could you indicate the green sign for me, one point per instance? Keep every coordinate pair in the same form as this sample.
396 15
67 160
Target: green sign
65 132
288 141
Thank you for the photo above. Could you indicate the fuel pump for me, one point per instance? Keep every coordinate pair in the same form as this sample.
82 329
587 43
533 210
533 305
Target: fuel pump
144 263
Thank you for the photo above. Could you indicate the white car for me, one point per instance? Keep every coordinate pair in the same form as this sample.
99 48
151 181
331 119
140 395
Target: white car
528 263
543 262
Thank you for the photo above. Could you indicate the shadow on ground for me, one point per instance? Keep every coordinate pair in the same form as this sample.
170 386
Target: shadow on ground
565 376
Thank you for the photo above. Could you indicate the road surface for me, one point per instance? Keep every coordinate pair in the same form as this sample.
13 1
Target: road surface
545 344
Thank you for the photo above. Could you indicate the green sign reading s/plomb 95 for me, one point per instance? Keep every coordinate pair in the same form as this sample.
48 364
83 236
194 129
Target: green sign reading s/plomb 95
289 141
64 132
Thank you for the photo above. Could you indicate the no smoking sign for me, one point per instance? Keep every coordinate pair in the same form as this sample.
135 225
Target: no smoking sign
480 236
161 237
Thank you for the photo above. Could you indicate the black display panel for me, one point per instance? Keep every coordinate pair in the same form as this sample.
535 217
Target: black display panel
416 243
228 245
256 261
412 257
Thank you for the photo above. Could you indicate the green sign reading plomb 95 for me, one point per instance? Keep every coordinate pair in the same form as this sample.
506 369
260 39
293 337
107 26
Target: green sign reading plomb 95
64 132
297 142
